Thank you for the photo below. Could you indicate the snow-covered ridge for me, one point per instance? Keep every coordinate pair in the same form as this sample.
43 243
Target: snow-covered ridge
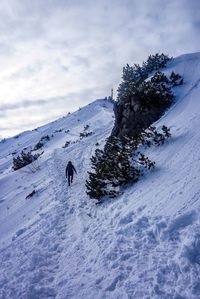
56 130
145 244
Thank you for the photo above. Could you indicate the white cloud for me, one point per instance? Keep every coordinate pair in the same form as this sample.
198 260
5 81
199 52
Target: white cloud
76 50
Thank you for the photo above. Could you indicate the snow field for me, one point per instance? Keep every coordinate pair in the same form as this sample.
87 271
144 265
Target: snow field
144 244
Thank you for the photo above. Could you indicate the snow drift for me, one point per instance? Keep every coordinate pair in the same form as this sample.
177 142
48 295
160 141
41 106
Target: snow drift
56 243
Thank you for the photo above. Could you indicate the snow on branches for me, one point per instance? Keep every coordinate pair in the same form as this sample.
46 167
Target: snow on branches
121 162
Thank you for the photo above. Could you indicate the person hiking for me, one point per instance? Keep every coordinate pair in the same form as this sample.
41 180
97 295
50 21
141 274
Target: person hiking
70 169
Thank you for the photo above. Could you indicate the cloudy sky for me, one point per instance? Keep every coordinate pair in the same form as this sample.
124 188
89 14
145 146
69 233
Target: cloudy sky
58 55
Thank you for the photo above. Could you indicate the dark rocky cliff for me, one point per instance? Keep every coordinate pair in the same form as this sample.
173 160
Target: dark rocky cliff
143 95
132 117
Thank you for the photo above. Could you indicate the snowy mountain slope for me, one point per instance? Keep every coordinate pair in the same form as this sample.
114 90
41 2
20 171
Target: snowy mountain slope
19 184
145 244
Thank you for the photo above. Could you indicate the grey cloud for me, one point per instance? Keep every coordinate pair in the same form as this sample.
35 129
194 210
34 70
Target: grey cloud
61 100
47 110
65 68
25 103
79 60
26 72
83 45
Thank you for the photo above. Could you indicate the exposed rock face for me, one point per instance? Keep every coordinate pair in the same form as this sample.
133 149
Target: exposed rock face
131 117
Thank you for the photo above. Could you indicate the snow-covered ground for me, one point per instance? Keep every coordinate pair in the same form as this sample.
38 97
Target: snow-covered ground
144 244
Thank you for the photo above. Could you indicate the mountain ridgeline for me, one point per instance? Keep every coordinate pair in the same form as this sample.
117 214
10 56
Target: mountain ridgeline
143 96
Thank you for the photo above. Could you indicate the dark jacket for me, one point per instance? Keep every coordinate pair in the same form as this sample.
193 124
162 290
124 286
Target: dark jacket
70 169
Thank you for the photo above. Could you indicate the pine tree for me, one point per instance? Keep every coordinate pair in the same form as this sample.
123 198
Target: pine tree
24 159
156 91
119 164
155 62
175 79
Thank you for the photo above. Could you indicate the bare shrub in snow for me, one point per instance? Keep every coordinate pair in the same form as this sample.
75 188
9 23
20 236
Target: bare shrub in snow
41 143
85 134
67 143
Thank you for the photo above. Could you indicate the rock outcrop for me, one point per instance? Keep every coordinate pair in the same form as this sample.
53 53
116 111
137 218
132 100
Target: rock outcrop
131 117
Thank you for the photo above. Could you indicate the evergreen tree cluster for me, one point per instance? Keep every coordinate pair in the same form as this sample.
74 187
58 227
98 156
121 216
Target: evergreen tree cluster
156 91
121 162
151 136
175 79
155 62
25 158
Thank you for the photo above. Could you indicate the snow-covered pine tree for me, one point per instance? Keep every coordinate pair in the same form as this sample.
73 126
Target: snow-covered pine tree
96 184
166 131
151 136
133 76
24 159
155 93
155 62
119 164
118 153
175 79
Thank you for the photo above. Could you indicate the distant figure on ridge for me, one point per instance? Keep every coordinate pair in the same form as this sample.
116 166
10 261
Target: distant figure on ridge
70 169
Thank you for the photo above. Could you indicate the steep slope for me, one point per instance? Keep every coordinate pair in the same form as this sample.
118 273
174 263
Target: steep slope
145 244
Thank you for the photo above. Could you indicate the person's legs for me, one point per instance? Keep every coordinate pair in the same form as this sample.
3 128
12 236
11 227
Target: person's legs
68 180
72 178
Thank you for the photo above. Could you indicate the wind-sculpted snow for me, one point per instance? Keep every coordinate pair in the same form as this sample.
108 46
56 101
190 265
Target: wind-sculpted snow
57 243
